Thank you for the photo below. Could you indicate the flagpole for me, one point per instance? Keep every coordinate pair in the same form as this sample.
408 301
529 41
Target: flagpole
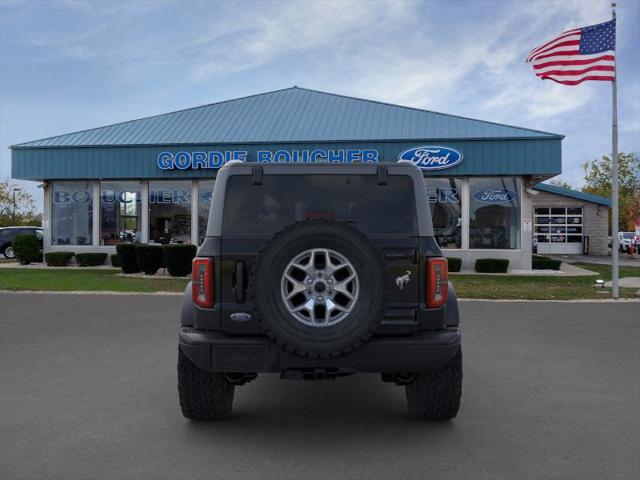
614 177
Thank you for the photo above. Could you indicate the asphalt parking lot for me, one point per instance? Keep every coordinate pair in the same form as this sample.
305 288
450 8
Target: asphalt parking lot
551 390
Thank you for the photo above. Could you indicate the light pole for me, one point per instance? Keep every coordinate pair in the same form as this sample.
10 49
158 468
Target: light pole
14 203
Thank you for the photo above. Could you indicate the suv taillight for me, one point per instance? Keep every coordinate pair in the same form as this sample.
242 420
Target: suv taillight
437 282
202 282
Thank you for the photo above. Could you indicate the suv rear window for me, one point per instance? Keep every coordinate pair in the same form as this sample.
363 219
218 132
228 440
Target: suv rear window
284 199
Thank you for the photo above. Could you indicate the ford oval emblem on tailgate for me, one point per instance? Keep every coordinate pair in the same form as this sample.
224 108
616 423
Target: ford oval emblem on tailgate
240 317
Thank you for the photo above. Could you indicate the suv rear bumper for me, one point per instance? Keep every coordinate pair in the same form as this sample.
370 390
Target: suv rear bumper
217 352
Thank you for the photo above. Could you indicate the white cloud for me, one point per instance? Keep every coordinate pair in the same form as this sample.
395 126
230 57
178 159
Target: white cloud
268 34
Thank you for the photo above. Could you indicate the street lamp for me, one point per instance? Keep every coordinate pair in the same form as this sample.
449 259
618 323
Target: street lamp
14 203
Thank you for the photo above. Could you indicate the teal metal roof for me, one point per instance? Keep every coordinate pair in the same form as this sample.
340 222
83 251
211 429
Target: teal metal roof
565 192
291 115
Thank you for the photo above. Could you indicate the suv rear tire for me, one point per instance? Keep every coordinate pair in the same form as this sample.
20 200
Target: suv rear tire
436 395
203 395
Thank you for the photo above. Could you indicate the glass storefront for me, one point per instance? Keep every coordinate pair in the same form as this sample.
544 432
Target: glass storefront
494 213
489 206
205 191
170 212
72 213
120 212
445 202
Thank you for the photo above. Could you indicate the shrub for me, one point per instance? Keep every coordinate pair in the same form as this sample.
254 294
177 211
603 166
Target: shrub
544 263
115 260
150 258
492 265
127 257
27 248
178 259
58 259
454 263
90 259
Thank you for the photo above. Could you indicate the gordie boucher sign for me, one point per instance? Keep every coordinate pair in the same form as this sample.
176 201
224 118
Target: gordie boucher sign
425 157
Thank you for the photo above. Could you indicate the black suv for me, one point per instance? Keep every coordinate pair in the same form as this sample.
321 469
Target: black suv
7 234
319 271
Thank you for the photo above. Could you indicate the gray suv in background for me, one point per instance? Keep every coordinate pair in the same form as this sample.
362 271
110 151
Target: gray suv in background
7 234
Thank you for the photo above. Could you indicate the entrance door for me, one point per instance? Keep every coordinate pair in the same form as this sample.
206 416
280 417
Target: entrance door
558 229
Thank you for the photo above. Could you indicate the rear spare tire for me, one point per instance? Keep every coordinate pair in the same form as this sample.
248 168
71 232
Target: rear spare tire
319 288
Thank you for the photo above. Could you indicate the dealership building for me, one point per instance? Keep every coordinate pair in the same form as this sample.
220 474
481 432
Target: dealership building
150 180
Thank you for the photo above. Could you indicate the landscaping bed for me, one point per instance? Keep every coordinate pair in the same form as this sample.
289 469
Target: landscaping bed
467 286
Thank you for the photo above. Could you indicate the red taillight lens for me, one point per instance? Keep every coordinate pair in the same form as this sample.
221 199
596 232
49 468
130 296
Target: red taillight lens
437 282
202 282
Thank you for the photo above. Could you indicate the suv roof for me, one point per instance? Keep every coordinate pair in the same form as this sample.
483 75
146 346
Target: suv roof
257 170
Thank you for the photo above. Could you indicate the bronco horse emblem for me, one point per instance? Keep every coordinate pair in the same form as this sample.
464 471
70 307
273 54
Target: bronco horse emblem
402 280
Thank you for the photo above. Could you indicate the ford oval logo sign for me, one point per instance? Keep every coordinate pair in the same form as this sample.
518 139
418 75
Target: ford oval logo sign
432 158
495 195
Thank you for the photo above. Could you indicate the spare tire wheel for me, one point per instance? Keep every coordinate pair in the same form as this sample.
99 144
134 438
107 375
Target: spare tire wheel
318 287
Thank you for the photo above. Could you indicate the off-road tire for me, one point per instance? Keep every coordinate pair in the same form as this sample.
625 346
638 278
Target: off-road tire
203 395
436 395
310 341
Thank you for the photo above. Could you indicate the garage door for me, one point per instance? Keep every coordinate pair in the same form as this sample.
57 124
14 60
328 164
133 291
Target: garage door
558 229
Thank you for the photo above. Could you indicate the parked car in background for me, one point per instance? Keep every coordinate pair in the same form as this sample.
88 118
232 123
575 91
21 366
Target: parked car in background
7 234
625 239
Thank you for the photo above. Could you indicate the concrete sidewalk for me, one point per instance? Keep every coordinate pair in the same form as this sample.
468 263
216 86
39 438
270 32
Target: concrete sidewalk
44 266
566 270
624 259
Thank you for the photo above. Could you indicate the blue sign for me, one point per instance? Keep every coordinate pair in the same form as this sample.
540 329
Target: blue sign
495 195
214 159
432 158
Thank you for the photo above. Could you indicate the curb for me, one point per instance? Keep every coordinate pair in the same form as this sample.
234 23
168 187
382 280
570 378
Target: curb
575 300
80 292
499 300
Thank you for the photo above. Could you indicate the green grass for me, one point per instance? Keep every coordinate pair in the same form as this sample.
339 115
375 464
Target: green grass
540 287
83 280
467 286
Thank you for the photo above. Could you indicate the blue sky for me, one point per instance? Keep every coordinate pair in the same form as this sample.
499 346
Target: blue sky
72 65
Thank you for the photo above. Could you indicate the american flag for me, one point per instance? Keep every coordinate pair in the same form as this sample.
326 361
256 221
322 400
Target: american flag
587 53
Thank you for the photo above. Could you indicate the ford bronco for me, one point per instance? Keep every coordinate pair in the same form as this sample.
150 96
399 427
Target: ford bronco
316 272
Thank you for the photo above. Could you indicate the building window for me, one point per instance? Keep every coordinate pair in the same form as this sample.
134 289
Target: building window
119 212
170 212
446 213
205 191
72 213
494 213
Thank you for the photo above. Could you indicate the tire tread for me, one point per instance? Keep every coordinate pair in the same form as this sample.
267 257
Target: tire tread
436 395
203 395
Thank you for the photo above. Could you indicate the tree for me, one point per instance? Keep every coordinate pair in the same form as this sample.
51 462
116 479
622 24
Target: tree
25 207
597 179
558 182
